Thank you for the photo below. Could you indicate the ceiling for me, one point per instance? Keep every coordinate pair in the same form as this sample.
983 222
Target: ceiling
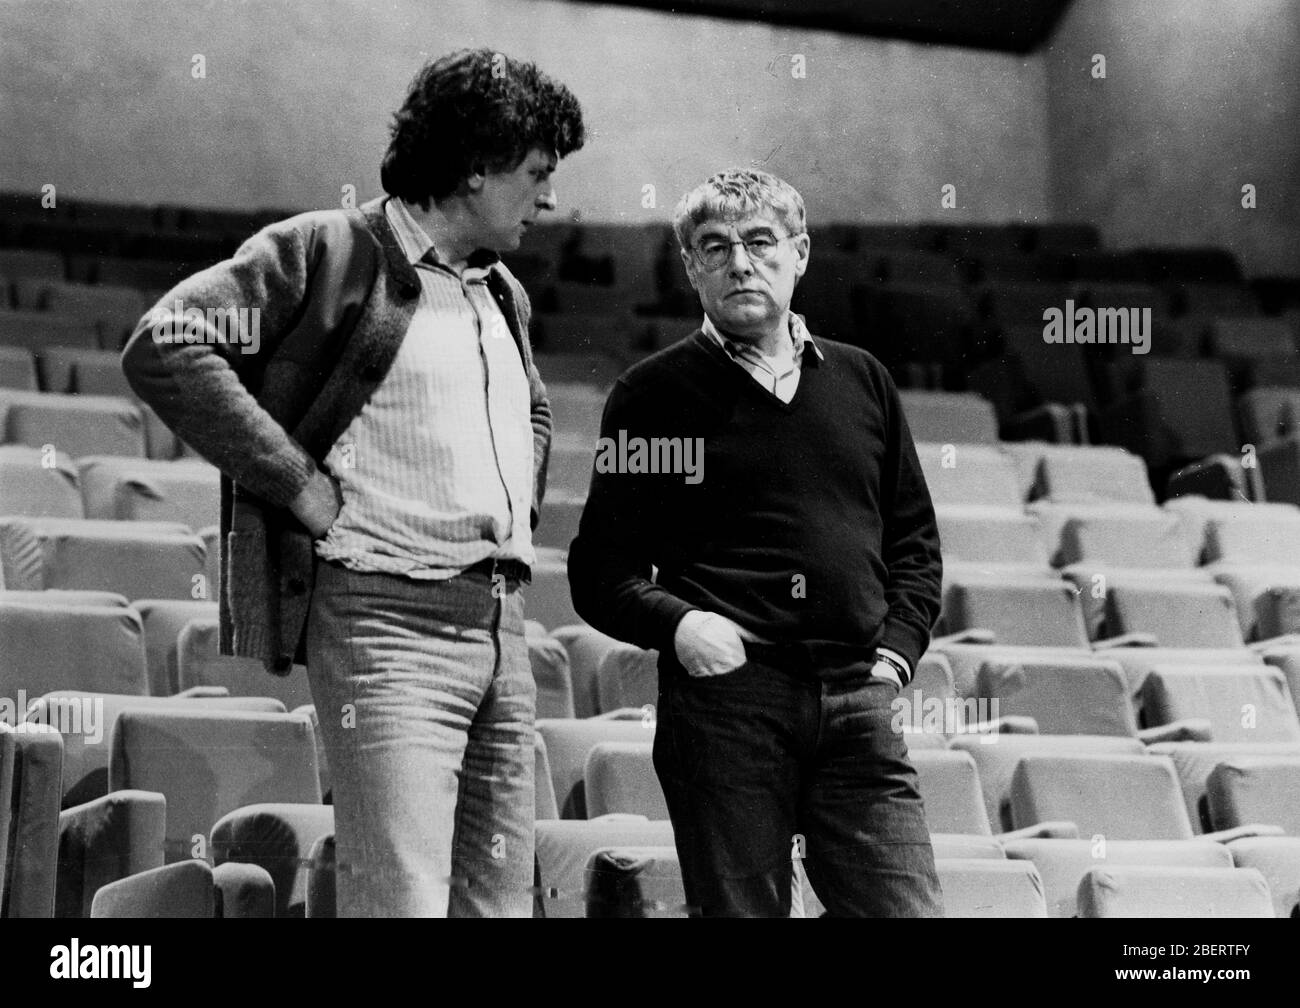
1010 25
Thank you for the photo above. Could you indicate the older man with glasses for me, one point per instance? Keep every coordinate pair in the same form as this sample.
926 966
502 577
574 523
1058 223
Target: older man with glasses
796 586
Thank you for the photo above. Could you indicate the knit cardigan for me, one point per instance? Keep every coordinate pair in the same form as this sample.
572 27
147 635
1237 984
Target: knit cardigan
334 294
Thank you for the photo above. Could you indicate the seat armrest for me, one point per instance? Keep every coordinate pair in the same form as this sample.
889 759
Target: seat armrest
971 635
1238 832
1135 639
204 692
1052 830
1182 730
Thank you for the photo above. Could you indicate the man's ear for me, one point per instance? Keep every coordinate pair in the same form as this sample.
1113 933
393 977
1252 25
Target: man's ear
802 247
475 179
688 262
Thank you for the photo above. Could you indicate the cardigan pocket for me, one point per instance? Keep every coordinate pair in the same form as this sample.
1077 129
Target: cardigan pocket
251 591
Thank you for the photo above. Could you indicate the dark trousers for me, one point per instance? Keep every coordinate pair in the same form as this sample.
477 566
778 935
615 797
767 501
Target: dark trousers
768 762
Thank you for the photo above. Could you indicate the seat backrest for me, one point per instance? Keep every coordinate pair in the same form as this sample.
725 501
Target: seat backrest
1248 533
1121 535
550 664
586 647
621 778
569 740
1255 789
1062 864
163 621
86 721
984 887
200 663
1092 474
1267 412
33 764
564 848
949 417
1195 761
1118 797
635 882
208 763
628 677
963 473
950 788
1065 696
1166 892
1247 704
972 533
182 889
1178 614
1027 611
30 486
48 646
1278 860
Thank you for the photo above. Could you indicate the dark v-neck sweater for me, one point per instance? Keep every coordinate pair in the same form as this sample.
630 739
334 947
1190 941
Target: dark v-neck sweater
811 523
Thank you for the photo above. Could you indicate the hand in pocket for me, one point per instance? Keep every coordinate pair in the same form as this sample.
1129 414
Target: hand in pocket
708 644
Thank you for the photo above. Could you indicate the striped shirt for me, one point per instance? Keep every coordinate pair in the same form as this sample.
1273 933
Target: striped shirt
436 470
780 376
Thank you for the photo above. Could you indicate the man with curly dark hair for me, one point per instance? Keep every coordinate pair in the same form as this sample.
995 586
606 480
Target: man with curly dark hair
383 448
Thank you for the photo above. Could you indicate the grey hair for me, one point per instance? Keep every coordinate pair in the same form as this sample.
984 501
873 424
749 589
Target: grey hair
737 193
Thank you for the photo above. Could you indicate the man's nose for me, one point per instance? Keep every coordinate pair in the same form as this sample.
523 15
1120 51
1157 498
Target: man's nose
546 198
739 263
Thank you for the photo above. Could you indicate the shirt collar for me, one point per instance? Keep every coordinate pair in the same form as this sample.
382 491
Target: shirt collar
799 336
418 247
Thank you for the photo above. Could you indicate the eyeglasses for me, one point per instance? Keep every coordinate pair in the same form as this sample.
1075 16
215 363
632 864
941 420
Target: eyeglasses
714 253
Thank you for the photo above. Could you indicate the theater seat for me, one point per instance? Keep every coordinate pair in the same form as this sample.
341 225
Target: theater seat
996 763
1062 864
1278 860
103 840
1248 704
568 741
208 763
31 767
1255 789
54 645
628 677
86 721
135 559
1195 761
950 788
1166 892
964 474
1118 797
635 882
189 889
550 665
163 620
76 425
620 778
1073 696
564 847
547 599
199 663
982 887
184 490
31 486
586 648
279 838
1180 614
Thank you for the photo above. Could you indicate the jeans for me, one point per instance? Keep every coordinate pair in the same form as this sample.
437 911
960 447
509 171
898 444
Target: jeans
768 762
426 702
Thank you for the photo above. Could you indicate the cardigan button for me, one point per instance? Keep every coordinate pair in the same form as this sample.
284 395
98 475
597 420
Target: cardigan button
283 663
410 291
297 586
372 372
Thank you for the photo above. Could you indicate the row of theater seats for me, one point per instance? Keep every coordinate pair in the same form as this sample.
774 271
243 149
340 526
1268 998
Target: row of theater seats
1022 824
